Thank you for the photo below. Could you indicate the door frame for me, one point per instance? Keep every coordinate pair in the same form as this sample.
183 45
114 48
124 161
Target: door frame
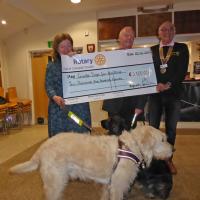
30 77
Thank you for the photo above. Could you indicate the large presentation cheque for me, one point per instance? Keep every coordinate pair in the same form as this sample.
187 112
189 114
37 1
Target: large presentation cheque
107 75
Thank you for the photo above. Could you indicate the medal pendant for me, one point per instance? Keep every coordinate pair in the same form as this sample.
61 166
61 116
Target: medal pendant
162 70
163 66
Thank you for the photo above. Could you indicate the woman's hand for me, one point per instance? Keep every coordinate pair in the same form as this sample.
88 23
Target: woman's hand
59 100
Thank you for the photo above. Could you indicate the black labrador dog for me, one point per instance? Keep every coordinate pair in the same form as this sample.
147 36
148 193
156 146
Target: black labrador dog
115 125
156 180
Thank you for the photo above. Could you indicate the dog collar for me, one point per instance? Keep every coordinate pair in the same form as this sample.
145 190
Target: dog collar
128 154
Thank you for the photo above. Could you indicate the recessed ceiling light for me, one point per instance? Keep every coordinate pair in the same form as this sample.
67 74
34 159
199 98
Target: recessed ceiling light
76 1
3 22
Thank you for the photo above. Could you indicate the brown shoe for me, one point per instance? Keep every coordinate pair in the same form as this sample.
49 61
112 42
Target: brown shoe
172 167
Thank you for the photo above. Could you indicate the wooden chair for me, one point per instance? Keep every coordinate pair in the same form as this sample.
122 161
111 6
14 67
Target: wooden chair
3 113
10 114
3 122
24 104
14 116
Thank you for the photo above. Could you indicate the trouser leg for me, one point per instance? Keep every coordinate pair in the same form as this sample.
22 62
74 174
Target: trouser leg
155 111
172 113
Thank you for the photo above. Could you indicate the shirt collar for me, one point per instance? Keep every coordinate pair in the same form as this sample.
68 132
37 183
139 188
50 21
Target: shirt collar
171 44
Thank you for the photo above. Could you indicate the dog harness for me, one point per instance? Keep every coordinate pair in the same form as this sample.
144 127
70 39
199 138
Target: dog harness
127 154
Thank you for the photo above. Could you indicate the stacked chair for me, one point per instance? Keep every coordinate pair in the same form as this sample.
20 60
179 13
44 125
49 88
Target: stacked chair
14 115
24 106
13 110
3 112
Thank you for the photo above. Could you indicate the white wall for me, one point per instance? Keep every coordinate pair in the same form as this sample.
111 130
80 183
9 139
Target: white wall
18 47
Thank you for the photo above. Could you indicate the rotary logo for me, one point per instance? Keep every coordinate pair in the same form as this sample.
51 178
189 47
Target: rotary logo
100 59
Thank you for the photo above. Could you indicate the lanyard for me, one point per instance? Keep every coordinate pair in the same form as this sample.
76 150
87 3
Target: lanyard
163 59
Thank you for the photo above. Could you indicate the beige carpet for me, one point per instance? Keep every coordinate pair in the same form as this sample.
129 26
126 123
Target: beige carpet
18 140
29 186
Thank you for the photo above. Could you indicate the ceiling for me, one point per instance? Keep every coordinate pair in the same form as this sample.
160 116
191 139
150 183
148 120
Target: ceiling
22 14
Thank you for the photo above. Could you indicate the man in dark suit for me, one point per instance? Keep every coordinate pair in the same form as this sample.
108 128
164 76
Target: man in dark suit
171 64
125 107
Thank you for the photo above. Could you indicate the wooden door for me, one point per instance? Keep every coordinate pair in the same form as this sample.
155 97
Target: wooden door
39 63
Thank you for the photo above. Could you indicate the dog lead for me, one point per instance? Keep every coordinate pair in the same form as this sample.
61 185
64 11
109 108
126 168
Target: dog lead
76 119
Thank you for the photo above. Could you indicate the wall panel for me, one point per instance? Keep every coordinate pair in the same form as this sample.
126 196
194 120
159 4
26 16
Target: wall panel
109 28
187 21
148 23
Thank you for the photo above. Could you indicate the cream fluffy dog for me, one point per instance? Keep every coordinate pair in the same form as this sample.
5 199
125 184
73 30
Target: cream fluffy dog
71 156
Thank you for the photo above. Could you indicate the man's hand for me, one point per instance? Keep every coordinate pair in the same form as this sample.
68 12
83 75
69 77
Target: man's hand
138 111
162 87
